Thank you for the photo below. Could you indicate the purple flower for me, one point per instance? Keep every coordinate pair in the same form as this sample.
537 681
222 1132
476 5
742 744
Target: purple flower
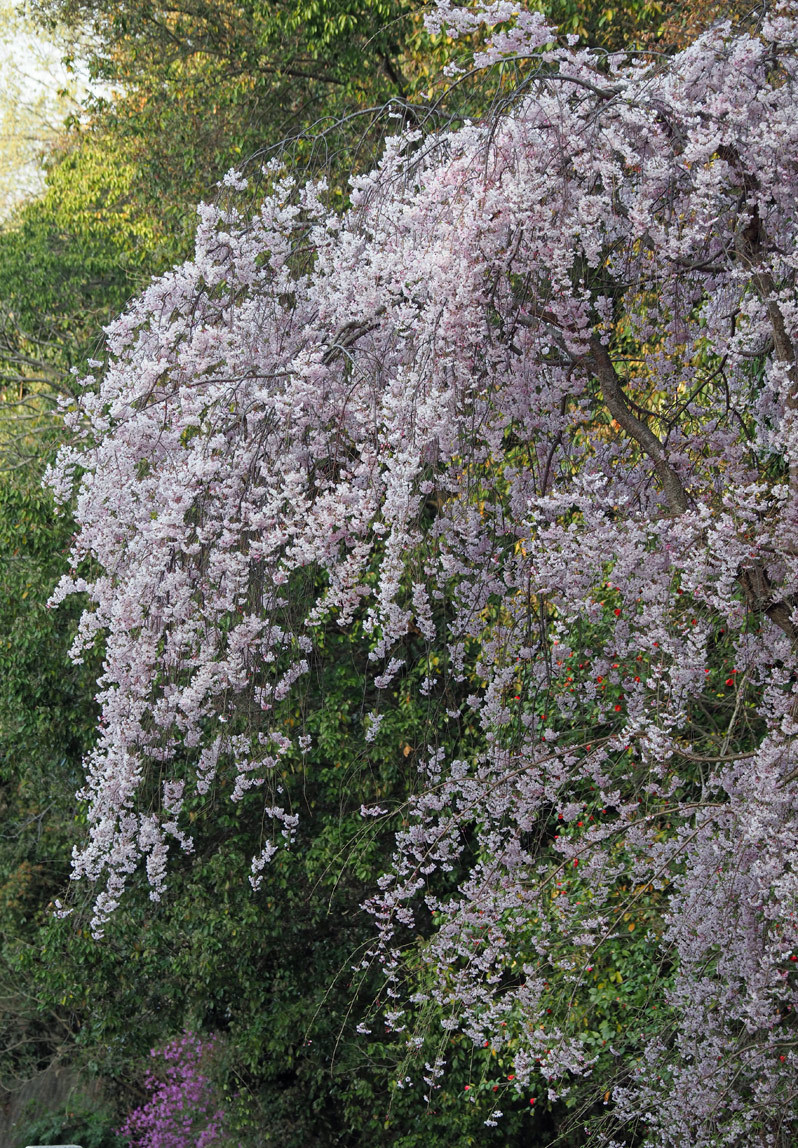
183 1109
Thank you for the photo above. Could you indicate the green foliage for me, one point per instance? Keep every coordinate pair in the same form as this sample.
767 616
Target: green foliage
71 259
46 722
46 709
84 1119
608 25
200 87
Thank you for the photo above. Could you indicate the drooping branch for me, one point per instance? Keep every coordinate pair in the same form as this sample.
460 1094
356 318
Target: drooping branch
759 597
618 407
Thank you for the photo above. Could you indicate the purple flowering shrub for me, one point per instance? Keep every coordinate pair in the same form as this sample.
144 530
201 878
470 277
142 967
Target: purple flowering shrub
183 1109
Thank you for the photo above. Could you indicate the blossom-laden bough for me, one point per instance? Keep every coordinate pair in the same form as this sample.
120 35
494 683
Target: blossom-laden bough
534 400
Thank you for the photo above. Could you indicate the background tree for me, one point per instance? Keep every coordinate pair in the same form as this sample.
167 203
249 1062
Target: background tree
37 93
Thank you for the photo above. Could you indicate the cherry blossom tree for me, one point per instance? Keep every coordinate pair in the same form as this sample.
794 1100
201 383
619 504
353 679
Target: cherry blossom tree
533 400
